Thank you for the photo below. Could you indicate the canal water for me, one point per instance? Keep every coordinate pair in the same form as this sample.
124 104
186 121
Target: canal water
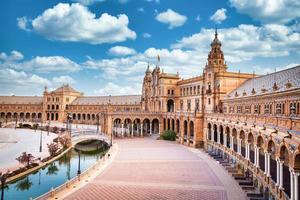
53 175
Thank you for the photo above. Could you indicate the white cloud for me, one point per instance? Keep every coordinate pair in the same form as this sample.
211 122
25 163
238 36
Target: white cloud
20 82
114 89
23 23
172 18
59 80
14 56
146 35
39 64
121 51
219 16
269 11
49 64
246 42
88 2
198 18
77 24
155 1
141 9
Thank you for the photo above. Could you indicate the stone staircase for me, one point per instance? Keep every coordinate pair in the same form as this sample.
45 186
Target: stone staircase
246 183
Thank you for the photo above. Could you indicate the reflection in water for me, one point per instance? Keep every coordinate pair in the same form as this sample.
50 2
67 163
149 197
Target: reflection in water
53 175
52 169
24 184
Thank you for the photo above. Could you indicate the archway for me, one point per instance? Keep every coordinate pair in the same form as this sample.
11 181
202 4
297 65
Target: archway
215 133
127 127
146 126
251 145
234 135
185 129
191 130
155 126
221 135
273 164
227 132
284 156
260 145
209 131
242 137
117 127
170 105
137 126
177 126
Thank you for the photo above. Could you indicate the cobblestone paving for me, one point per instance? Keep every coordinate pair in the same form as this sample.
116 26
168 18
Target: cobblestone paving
146 168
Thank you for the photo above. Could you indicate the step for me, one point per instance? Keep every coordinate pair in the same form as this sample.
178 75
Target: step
255 195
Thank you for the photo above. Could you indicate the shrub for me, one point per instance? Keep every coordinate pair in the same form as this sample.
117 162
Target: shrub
168 135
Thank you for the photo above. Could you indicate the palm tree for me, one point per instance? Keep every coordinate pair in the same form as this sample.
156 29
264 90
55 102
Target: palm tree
25 159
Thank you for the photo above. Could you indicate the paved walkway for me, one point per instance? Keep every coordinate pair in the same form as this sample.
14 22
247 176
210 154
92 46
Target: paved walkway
145 168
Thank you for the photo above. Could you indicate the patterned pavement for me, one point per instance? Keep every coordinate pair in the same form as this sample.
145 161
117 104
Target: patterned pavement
145 168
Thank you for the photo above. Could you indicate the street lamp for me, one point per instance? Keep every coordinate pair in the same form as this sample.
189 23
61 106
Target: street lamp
41 140
78 171
3 178
48 128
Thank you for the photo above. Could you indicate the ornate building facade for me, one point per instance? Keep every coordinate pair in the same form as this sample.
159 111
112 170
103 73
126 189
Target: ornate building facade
253 119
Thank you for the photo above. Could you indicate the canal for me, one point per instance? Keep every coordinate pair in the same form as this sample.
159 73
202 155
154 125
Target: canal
51 176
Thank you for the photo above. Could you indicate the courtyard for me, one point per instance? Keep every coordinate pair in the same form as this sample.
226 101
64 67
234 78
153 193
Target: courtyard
146 168
13 142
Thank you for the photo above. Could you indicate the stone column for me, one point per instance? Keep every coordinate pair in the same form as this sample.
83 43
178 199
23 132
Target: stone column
240 146
150 128
292 179
277 172
122 130
231 143
296 175
213 136
141 133
218 136
281 174
247 151
131 129
268 164
225 140
257 157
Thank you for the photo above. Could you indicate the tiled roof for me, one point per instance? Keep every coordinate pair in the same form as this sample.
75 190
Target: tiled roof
100 100
21 100
65 88
285 80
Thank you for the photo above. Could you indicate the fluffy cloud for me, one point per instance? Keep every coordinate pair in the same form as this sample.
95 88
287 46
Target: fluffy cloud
219 16
14 56
63 80
20 82
172 18
114 89
246 42
146 35
49 64
88 2
121 51
269 11
38 64
76 23
23 23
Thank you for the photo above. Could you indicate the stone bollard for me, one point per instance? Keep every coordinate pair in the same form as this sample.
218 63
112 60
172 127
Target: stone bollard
52 192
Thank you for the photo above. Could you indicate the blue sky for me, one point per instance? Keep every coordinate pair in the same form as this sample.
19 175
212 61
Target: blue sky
102 47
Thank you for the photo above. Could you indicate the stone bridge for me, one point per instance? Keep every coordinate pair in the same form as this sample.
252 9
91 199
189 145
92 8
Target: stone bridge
83 135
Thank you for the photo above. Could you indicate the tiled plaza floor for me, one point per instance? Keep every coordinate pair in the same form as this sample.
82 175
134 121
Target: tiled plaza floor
145 168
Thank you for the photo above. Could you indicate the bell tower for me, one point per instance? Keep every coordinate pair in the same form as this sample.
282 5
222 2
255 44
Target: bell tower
215 58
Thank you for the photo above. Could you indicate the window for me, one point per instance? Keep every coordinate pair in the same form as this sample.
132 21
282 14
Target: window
208 101
292 108
181 104
198 89
279 108
188 104
197 104
194 90
239 109
267 109
256 109
57 107
168 91
172 92
52 107
48 107
247 109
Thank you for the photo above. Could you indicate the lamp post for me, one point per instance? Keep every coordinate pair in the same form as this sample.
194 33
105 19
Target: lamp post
41 140
3 178
48 128
78 171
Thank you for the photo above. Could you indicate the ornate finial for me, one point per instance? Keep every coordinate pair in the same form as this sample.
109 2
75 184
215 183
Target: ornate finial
148 69
216 32
158 58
